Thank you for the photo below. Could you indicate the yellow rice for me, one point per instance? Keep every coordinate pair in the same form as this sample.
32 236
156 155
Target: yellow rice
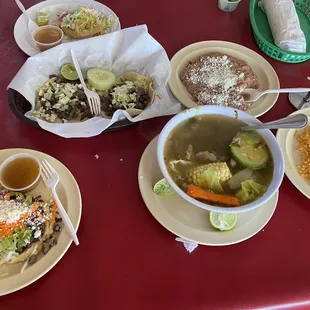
304 150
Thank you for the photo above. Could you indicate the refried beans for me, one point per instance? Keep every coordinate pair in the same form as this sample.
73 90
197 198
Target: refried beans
218 79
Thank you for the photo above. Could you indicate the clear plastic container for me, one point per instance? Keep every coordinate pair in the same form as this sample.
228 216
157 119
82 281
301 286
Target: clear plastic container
228 6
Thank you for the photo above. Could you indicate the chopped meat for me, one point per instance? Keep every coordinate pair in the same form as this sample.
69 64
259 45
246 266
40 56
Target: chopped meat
142 98
58 218
49 243
19 251
189 152
81 95
106 103
59 79
57 227
207 156
38 198
86 115
74 113
32 259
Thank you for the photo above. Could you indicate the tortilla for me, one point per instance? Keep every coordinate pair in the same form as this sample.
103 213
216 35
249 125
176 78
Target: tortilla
57 120
138 79
145 81
87 33
35 248
38 105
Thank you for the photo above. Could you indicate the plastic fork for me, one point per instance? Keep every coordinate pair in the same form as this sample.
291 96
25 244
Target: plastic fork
256 94
92 97
31 25
51 179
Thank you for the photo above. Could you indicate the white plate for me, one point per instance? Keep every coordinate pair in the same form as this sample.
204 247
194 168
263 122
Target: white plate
11 279
268 78
187 221
23 37
292 159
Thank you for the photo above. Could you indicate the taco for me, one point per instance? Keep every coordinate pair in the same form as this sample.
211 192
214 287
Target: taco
85 22
27 227
132 92
59 100
62 101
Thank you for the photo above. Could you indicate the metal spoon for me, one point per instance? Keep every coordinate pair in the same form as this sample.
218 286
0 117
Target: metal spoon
300 101
256 94
290 122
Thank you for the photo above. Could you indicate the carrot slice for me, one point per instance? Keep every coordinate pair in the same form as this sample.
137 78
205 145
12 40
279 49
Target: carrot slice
54 211
35 207
199 193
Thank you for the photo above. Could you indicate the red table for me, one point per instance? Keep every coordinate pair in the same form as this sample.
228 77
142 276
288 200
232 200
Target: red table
126 259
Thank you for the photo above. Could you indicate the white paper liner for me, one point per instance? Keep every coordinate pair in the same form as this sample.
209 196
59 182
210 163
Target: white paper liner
189 246
131 49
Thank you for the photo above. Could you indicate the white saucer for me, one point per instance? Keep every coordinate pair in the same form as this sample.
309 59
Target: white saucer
292 159
23 37
11 278
267 76
190 222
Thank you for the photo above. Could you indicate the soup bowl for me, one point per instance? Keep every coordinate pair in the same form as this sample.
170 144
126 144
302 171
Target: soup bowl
271 141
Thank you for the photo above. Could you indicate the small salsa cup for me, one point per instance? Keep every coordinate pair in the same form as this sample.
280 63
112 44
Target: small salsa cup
10 159
45 46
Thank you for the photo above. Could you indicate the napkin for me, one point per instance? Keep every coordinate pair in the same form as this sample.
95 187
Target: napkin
284 24
190 246
131 49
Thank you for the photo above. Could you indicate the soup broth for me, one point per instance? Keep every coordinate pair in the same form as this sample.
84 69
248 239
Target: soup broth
20 172
199 143
47 35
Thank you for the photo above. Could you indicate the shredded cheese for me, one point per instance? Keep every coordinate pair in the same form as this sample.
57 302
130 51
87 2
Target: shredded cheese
11 211
214 71
219 79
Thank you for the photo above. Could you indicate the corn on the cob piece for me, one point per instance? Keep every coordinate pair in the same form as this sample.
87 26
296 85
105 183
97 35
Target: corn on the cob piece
221 170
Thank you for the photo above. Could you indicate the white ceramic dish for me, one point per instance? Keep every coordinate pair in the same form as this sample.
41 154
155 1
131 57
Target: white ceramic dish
268 78
12 158
245 117
292 159
189 222
11 279
24 39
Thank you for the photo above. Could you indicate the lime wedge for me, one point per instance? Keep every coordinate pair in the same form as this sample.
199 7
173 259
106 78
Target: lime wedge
42 19
223 221
162 188
68 72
